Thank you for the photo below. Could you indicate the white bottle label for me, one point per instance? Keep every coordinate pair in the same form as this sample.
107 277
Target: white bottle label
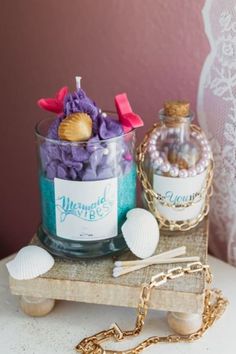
86 211
176 191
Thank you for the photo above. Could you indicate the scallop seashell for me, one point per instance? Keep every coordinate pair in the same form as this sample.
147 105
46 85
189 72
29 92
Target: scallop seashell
29 263
137 212
141 232
76 127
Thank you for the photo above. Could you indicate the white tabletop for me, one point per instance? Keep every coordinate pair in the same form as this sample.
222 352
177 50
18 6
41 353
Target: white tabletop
69 322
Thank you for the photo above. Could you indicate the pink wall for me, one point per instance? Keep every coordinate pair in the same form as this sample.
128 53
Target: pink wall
152 49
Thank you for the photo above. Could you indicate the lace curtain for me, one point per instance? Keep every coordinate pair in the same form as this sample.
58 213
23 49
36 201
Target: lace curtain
217 116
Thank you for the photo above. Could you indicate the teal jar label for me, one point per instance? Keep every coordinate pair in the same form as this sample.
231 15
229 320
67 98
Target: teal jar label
86 211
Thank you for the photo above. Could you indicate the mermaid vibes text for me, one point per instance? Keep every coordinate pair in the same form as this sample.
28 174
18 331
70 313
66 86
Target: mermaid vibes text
89 212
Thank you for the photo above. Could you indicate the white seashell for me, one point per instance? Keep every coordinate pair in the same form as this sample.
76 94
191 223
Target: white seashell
136 212
29 263
141 232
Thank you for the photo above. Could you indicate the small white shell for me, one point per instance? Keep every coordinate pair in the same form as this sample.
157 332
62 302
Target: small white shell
141 232
29 263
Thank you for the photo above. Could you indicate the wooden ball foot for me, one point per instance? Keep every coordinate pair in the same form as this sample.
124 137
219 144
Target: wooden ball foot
184 323
36 306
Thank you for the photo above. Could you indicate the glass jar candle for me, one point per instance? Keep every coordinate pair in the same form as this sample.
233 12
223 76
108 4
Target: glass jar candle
86 190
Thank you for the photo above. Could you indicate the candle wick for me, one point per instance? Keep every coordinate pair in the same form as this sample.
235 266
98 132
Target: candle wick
78 82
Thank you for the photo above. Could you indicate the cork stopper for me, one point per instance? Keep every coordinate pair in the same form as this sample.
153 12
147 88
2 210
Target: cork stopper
177 108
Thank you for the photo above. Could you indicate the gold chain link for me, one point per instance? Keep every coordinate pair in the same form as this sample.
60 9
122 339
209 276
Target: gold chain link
152 197
214 306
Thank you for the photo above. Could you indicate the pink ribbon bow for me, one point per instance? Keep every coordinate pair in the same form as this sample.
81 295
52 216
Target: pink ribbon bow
56 104
127 117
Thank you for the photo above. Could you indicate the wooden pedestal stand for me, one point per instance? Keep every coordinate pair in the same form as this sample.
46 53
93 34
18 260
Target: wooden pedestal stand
91 281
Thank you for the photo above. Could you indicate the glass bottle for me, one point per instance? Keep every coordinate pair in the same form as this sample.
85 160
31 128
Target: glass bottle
177 165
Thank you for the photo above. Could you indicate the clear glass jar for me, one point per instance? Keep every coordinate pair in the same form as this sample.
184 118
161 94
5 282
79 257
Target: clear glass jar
86 190
176 150
178 166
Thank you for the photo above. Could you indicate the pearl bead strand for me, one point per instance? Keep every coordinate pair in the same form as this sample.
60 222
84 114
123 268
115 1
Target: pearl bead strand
160 162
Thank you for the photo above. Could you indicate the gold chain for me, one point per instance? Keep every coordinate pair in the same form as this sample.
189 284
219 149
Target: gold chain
214 306
152 197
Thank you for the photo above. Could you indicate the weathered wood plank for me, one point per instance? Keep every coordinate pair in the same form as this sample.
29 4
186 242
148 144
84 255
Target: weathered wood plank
91 280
